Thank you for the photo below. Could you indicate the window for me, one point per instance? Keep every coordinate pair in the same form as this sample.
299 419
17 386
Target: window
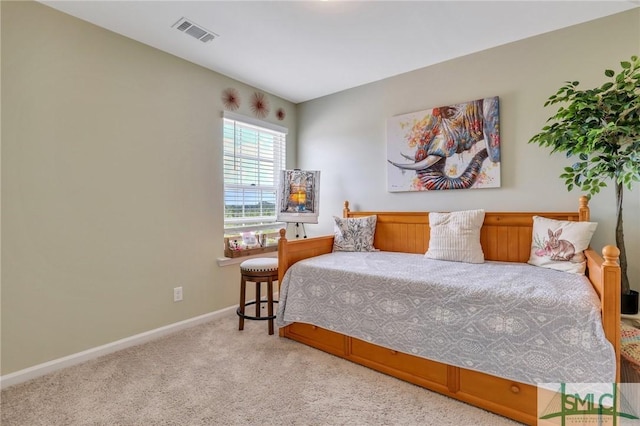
254 155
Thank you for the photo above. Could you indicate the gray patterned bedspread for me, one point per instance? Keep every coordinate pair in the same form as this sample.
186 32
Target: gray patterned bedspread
511 320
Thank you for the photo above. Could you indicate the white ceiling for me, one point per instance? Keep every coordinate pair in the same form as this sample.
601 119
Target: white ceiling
301 50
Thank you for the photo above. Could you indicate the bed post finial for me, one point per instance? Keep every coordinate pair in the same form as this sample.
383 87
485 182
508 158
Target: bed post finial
610 254
345 210
583 210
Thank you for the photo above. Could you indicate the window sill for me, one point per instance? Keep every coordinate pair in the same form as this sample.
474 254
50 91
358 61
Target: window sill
226 261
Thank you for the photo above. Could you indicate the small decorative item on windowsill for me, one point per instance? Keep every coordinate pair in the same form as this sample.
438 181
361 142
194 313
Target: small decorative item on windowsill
236 247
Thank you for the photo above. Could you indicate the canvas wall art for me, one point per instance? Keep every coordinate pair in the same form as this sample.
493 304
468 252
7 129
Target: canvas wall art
298 196
449 147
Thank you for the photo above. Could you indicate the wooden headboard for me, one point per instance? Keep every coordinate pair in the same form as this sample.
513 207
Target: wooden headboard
504 236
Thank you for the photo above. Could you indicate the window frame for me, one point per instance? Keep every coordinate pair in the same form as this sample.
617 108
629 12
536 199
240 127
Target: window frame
235 226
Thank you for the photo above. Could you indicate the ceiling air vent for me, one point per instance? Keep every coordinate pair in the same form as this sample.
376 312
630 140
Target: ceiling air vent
194 30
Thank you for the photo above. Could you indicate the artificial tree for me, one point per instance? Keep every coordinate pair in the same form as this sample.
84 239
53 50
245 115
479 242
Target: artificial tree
601 127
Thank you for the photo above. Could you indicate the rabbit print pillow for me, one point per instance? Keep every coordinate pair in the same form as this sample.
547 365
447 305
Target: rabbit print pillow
559 244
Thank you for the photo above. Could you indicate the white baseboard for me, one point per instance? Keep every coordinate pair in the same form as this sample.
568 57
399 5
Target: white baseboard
80 357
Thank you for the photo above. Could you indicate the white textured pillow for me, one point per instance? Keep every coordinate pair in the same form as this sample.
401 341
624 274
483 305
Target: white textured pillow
354 234
455 236
560 244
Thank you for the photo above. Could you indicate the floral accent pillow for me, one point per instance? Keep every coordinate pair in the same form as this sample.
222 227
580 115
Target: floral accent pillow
560 244
455 236
354 233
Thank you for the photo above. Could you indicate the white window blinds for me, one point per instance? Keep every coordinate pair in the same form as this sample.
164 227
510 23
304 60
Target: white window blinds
254 155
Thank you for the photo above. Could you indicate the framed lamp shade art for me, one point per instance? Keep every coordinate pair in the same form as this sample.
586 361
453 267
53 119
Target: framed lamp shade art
298 196
449 147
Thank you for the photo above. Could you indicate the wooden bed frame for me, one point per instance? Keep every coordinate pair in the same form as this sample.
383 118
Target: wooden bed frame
504 237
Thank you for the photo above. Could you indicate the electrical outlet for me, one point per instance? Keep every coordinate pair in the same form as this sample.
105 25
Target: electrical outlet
177 294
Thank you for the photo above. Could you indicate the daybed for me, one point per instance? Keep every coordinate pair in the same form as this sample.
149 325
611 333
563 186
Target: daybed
506 240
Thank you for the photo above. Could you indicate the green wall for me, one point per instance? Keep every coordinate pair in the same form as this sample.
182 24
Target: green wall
111 186
344 134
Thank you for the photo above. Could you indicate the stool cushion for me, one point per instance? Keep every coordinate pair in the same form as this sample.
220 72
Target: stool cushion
260 264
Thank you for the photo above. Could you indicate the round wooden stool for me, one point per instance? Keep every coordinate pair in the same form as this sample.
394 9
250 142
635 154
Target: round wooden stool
258 270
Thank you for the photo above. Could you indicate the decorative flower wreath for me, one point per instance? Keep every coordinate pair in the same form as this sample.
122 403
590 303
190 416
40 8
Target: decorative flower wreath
231 99
259 105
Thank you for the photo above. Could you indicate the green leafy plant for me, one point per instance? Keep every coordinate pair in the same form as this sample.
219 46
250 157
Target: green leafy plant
601 127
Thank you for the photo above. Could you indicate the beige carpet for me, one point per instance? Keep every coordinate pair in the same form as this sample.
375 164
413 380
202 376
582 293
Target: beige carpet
213 374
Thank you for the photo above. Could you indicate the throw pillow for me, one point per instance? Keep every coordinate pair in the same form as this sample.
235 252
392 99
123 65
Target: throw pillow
455 236
559 244
354 234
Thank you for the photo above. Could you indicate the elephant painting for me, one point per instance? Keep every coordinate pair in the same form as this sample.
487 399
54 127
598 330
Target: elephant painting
449 147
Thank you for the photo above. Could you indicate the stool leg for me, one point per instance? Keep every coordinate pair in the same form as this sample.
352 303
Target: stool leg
270 303
243 287
258 299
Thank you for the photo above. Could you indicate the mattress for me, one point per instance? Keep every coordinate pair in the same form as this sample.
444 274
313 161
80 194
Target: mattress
511 320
